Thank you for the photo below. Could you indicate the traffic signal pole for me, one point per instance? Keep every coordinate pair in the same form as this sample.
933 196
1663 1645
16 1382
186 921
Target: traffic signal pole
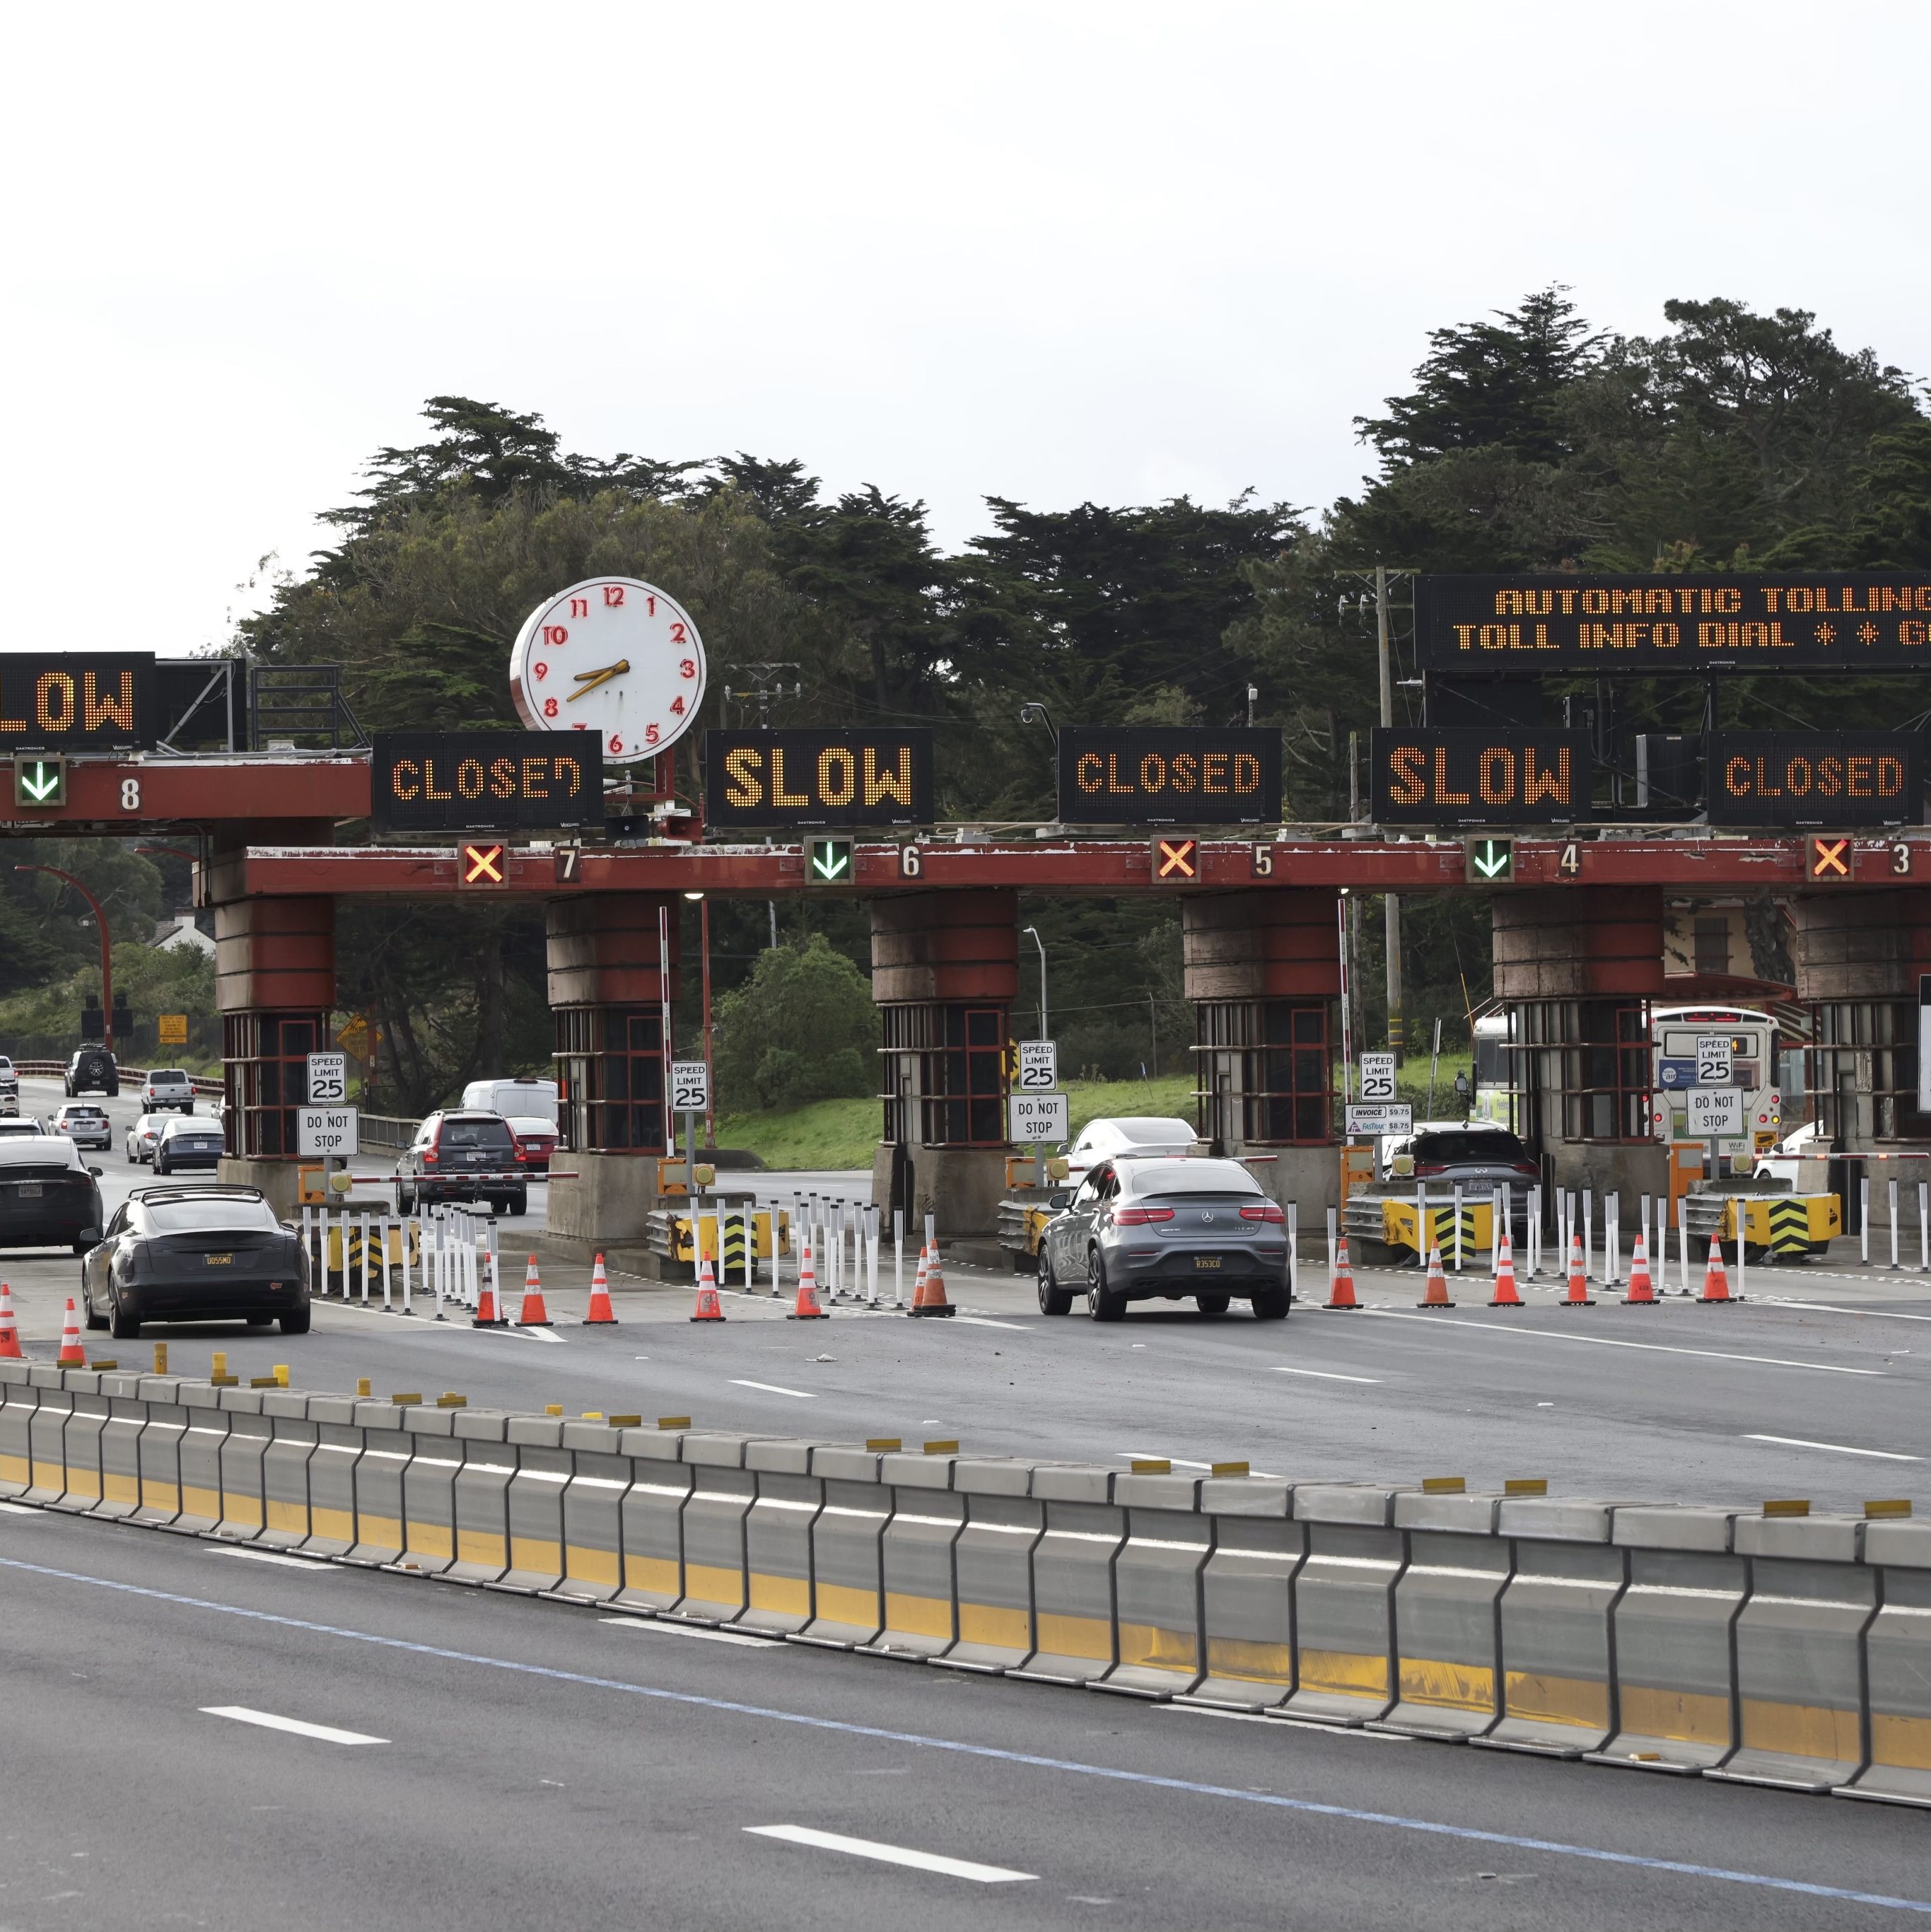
106 955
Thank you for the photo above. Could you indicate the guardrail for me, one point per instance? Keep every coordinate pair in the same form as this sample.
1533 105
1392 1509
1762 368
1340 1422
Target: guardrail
56 1069
1776 1649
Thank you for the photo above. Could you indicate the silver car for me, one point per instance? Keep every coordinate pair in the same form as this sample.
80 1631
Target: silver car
1165 1229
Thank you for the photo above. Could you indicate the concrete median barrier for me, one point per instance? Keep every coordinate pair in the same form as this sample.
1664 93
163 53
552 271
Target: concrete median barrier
1446 1665
777 1535
19 1399
593 1549
387 1451
1897 1666
1343 1604
1072 1575
200 1459
1247 1620
243 1451
120 1446
80 1444
428 1489
653 1507
992 1562
479 1495
285 1524
543 1470
1800 1652
1559 1678
848 1588
159 1464
1156 1586
331 1476
1674 1687
721 1490
915 1556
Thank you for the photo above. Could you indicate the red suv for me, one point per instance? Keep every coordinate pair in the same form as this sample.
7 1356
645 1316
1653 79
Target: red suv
458 1156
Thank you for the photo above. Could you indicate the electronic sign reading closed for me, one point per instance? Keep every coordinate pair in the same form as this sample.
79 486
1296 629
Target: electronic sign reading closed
75 701
1648 625
818 778
1119 776
1471 777
485 781
1816 778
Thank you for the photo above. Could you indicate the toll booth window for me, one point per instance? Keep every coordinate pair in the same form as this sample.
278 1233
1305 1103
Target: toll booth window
610 1062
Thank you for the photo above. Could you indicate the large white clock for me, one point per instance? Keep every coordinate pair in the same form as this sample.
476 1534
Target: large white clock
613 655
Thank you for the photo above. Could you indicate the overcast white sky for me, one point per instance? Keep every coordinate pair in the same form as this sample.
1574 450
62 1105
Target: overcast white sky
1113 250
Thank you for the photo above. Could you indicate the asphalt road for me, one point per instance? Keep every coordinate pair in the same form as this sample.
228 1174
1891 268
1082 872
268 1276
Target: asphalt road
485 1760
1818 1388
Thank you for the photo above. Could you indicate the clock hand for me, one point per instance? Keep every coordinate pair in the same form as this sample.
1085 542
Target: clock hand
590 679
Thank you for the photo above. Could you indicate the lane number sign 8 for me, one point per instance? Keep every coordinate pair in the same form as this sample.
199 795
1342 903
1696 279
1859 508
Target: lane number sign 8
1713 1066
1038 1066
690 1087
1377 1076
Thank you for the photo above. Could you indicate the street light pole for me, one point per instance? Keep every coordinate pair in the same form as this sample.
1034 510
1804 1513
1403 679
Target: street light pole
1045 1031
106 956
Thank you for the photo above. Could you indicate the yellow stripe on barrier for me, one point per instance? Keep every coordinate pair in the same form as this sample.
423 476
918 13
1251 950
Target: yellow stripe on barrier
712 1584
592 1566
1252 1663
1448 1686
1688 1717
155 1494
477 1546
658 1573
292 1517
786 1596
384 1532
1903 1742
337 1525
120 1488
1153 1646
1352 1673
1801 1730
921 1616
195 1501
1075 1637
537 1553
16 1469
989 1624
432 1539
839 1604
1557 1700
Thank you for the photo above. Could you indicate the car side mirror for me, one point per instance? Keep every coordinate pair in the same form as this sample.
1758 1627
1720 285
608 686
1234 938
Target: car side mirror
96 1172
92 1236
1058 1201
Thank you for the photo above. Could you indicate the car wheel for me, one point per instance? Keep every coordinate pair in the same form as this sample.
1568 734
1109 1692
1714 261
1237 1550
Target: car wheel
126 1327
1053 1300
405 1200
1271 1306
517 1203
93 1320
1102 1304
1212 1304
296 1322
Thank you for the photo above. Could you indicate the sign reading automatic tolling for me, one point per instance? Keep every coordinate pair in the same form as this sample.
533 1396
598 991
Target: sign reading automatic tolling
494 781
1120 776
1816 778
1529 625
98 700
1473 777
818 778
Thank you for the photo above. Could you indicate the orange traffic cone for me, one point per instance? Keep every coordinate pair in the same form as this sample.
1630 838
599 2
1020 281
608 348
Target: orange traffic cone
1578 1295
601 1313
534 1315
9 1332
486 1315
929 1298
918 1279
72 1354
1642 1290
1436 1294
1341 1295
1716 1282
1506 1294
807 1308
709 1308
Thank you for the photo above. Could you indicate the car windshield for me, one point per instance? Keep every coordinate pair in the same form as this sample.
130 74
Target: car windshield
1152 1133
80 1113
172 1074
493 1133
19 1127
1460 1148
1193 1176
208 1214
189 1129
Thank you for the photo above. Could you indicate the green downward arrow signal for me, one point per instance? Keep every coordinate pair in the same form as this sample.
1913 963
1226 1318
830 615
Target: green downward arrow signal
39 782
1493 859
831 858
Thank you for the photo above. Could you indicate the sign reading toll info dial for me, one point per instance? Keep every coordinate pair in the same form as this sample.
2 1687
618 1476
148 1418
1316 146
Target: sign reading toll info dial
614 655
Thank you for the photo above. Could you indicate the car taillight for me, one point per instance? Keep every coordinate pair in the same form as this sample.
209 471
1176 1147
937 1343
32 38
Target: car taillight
1527 1167
1138 1217
1429 1167
1267 1212
429 1156
522 1152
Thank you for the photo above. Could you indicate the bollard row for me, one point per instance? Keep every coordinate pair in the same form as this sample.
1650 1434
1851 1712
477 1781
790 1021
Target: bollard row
1778 1649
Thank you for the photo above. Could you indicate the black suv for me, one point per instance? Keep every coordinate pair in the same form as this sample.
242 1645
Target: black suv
92 1070
461 1155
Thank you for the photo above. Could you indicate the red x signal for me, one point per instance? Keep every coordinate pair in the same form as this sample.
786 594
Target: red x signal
483 865
1830 858
1176 859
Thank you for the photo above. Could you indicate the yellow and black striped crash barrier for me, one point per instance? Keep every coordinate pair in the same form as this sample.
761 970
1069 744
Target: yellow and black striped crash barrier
1785 1224
1400 1219
1775 1647
385 1246
668 1233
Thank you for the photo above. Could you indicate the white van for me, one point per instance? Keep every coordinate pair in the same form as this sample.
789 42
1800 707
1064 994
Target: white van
524 1098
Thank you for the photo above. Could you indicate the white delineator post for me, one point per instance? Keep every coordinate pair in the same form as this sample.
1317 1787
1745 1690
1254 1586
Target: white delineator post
898 1258
1864 1220
1293 1250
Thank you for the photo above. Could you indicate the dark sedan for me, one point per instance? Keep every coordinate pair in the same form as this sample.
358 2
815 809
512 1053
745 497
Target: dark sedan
188 1141
49 1198
197 1252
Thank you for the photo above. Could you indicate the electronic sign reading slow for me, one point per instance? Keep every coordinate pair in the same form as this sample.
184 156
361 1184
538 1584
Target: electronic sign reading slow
881 777
1816 778
75 701
485 781
1461 776
1537 624
1115 776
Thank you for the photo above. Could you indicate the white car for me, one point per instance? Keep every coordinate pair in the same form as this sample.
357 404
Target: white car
19 1123
10 1087
142 1137
1786 1161
1128 1136
84 1124
167 1087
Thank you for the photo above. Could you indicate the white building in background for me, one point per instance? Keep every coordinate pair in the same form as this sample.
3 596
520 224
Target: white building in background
176 935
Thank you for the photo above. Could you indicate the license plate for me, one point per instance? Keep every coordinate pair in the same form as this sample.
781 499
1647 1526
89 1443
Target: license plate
220 1260
29 1190
1207 1261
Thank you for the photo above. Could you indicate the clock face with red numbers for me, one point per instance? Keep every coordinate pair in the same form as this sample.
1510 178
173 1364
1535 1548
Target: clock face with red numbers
612 654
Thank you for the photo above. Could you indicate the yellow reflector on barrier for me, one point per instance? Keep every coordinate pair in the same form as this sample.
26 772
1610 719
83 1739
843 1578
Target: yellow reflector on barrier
1443 1485
1788 1506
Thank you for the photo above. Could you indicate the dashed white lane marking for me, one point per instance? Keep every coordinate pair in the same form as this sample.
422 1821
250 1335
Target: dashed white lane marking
1322 1375
697 1630
1604 1342
772 1388
986 1321
274 1556
18 1509
269 1721
892 1855
1837 1308
1837 1448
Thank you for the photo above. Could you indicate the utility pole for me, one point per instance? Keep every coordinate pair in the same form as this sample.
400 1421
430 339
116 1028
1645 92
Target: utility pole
1391 903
